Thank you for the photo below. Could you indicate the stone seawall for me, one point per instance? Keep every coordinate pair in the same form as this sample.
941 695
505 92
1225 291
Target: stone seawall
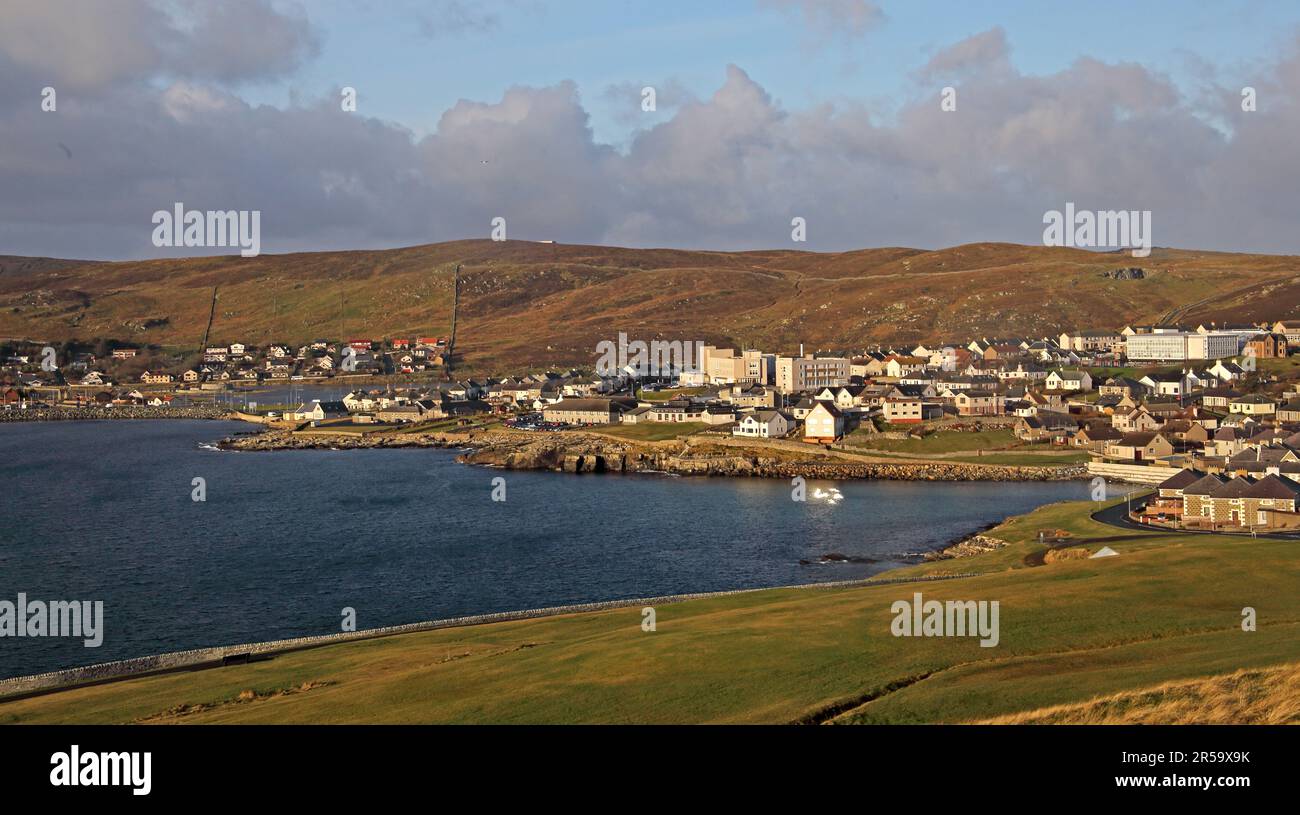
56 414
236 654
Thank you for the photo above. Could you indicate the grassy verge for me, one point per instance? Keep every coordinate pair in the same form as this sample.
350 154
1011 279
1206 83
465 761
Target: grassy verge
651 431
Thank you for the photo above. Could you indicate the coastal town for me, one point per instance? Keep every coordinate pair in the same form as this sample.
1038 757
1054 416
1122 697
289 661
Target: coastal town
1137 404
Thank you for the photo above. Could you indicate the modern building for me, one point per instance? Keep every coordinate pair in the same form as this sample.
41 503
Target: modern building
810 372
1176 346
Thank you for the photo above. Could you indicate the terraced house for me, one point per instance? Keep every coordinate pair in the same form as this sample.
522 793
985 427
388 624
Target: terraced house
1216 502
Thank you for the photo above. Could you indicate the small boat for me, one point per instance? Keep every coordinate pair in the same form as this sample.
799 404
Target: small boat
819 493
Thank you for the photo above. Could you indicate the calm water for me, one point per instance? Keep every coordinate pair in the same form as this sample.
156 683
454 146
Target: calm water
285 540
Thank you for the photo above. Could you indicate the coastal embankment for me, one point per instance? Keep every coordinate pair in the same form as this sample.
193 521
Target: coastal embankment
84 414
589 453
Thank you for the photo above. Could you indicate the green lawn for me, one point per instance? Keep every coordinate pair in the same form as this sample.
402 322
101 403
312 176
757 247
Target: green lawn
939 442
664 396
1169 607
651 431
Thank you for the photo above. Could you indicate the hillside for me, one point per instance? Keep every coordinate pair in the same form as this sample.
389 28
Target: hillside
549 304
1266 696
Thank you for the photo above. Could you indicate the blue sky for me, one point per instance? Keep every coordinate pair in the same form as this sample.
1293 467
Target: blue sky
407 75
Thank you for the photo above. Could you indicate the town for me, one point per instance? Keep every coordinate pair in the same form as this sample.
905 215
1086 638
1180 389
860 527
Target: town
1210 414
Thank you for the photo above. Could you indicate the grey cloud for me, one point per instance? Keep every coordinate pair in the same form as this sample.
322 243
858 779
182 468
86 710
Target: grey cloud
89 45
456 17
850 18
726 172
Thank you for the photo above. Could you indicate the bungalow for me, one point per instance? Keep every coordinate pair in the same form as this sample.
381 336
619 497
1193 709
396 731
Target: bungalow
764 424
1139 447
586 411
677 410
1164 384
824 424
319 411
1253 404
1045 425
1289 412
1096 437
399 414
1219 397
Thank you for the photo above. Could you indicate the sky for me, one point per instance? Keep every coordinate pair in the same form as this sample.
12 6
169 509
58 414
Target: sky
532 111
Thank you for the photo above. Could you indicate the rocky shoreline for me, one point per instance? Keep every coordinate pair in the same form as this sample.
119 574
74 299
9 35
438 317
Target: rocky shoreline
72 414
582 453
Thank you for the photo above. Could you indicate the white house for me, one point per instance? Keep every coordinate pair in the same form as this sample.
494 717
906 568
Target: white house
824 424
763 424
1068 380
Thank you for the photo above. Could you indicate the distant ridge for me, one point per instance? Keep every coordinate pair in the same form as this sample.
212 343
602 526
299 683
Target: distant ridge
526 304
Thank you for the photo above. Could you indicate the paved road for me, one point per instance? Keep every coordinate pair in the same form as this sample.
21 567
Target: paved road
1117 516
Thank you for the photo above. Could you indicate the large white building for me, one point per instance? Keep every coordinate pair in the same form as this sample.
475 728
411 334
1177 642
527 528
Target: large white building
804 373
1176 346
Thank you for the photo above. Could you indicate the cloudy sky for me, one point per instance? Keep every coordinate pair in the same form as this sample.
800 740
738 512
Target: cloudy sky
531 110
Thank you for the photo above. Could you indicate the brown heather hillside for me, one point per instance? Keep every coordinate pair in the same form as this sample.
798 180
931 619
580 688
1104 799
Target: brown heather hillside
529 304
1259 696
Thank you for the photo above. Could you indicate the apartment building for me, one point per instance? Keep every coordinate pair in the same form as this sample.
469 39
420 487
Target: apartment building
811 373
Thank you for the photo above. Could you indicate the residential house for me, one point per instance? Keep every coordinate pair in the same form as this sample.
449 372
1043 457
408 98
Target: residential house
764 424
824 424
1069 380
1139 447
587 411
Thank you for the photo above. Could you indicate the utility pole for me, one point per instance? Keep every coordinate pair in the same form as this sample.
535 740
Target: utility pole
451 339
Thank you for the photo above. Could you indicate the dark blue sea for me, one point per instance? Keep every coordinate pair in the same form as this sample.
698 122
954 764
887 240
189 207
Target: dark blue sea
285 540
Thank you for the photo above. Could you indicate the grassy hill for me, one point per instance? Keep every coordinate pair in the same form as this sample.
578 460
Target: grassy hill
1266 696
549 304
1168 609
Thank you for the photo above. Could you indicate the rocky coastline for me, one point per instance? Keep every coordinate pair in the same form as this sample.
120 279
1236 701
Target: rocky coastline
83 414
582 453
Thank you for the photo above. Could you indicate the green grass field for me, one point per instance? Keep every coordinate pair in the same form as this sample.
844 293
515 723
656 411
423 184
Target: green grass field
939 442
651 431
1168 608
672 393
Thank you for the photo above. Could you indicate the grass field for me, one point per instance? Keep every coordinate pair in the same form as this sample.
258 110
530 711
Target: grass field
672 393
647 431
1168 609
939 442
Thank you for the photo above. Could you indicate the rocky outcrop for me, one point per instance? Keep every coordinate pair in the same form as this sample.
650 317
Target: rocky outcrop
579 453
974 545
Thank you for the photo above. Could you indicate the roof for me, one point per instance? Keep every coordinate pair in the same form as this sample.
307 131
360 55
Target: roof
1273 486
1204 485
586 405
1236 488
1181 479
